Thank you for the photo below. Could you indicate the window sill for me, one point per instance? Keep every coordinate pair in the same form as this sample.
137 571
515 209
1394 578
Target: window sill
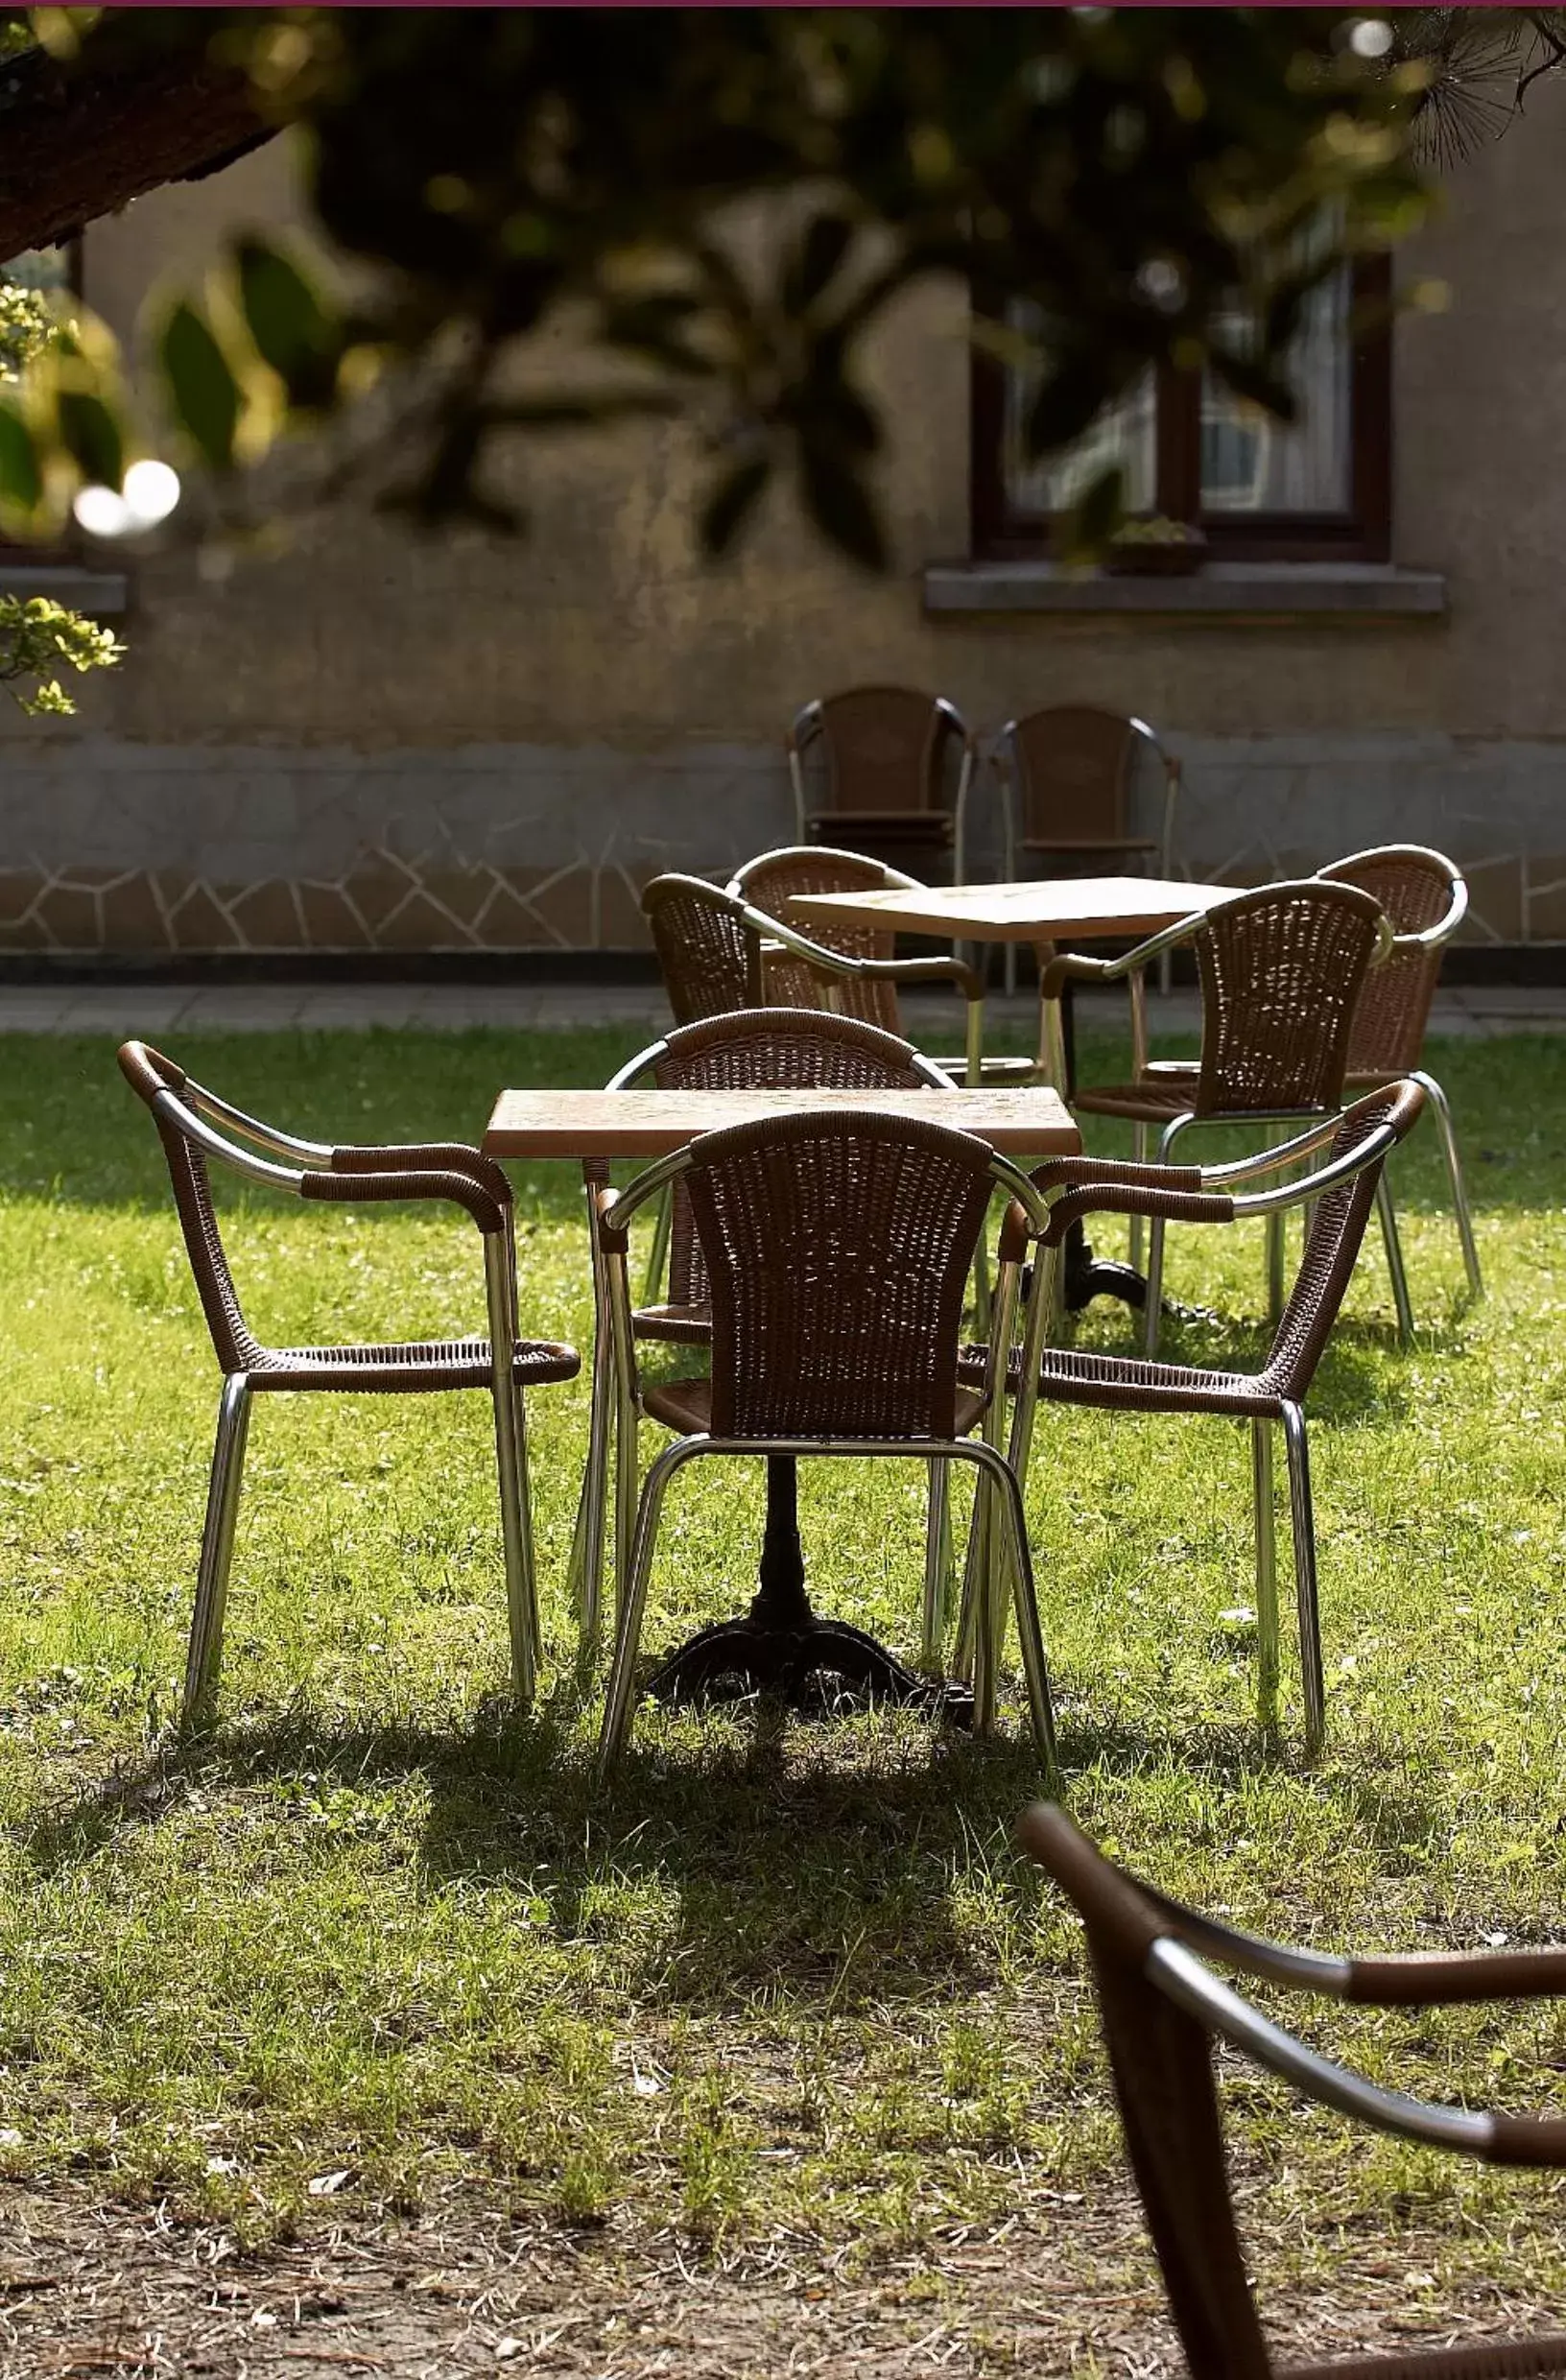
1250 592
105 593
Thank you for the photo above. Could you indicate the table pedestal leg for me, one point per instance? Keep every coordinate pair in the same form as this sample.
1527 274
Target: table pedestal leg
781 1648
1083 1276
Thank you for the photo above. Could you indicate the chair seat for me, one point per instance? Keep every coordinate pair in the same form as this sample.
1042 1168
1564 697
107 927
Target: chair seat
1130 1384
408 1367
1153 1100
1488 2358
1089 842
680 1326
993 1069
907 825
686 1406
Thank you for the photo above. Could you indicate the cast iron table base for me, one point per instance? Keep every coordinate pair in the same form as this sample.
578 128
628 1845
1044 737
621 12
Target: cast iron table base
782 1649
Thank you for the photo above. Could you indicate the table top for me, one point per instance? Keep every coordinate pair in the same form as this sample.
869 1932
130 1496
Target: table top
1027 1121
1045 910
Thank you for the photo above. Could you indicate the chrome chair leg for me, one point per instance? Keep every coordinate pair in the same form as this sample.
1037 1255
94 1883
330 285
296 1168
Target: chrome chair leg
584 1580
511 1464
1139 1151
1274 1268
1303 1523
632 1601
1006 1491
1153 1310
1441 1105
938 1562
1267 1574
1386 1214
206 1655
625 1492
657 1255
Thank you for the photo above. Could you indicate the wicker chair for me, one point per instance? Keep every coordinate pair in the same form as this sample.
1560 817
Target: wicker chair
1281 971
885 751
1163 2009
188 1118
1337 1195
1425 899
769 1049
1065 776
773 879
836 1248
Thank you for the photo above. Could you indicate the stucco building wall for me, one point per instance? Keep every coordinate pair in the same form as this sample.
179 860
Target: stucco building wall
372 741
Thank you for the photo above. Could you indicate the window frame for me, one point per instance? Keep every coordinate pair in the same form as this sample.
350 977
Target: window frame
1002 532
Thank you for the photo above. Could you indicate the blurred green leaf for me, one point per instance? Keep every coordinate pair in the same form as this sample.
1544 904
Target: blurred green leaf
91 435
1095 516
288 323
21 480
827 242
732 502
206 395
839 504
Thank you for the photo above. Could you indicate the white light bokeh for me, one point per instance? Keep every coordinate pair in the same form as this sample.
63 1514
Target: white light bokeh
102 514
1371 37
151 490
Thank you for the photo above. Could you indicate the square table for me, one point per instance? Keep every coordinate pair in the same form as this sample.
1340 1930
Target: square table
1043 909
780 1642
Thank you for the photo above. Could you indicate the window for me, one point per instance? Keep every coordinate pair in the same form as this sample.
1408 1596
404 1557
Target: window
49 268
1315 489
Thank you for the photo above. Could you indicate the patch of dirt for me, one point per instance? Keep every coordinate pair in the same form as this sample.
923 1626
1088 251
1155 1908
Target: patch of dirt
130 2295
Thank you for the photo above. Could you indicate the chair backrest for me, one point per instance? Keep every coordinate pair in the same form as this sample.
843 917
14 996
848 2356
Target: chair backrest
1281 971
1332 1243
839 1249
883 747
776 1050
710 960
1073 766
771 881
1422 894
1160 2058
167 1090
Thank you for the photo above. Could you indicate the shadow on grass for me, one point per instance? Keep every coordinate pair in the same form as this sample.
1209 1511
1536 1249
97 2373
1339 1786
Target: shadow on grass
825 1865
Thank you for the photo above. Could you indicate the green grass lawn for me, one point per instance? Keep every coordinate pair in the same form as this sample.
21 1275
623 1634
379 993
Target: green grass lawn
779 1981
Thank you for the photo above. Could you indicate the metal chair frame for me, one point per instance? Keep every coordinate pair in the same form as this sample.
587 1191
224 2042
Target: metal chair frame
999 1489
187 1112
1130 969
1181 1191
809 725
1431 939
585 1576
1162 2009
1010 771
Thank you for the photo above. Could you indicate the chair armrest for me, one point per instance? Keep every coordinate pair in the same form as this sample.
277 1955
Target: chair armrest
1084 1173
1133 1198
467 1186
436 1156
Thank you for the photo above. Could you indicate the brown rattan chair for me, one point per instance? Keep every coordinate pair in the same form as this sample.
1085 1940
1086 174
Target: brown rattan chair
1338 1196
1066 777
1163 2009
1281 971
837 1249
1425 898
755 1049
188 1119
885 751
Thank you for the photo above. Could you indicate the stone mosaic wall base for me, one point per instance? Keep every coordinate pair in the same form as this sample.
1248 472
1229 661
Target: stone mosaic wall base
118 851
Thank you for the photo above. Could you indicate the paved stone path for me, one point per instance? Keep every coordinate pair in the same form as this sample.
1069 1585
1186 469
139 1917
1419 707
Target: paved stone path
122 1009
